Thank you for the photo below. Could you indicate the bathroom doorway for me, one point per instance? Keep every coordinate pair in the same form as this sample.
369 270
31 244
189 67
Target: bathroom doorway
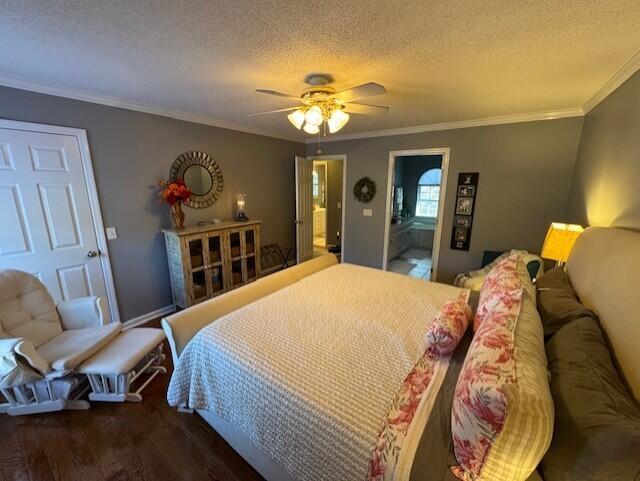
417 180
327 190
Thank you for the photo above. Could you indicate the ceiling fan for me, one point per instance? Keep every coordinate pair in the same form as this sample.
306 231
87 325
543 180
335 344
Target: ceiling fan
321 103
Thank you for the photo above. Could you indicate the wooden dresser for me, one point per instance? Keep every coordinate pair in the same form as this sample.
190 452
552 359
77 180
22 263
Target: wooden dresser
205 261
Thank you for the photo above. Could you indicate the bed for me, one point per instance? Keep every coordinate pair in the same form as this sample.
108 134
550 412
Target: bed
278 450
307 373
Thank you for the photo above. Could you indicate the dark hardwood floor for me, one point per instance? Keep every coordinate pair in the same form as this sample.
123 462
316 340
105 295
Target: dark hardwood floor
117 442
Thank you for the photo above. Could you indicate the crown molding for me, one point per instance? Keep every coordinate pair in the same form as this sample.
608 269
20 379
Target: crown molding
461 124
621 76
138 107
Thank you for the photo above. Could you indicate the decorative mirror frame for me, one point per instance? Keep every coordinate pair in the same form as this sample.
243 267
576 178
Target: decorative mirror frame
191 158
365 196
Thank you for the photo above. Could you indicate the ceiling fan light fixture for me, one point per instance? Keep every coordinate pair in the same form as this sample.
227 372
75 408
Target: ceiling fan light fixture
297 118
314 116
338 119
311 129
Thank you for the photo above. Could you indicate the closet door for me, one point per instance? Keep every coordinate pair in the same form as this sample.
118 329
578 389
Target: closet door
304 209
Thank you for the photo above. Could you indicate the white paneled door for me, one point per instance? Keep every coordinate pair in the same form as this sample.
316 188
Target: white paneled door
304 209
46 221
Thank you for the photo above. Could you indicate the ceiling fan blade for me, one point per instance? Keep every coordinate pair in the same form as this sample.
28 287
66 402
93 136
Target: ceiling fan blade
274 111
361 91
277 94
364 109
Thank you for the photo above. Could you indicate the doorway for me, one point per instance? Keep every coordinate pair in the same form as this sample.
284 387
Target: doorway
320 187
415 206
321 212
50 220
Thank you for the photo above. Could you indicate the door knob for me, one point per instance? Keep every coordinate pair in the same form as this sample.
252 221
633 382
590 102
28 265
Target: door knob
92 254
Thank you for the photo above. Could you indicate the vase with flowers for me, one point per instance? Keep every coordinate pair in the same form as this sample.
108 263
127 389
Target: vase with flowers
174 193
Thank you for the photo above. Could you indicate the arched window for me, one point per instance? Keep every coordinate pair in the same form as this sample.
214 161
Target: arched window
428 193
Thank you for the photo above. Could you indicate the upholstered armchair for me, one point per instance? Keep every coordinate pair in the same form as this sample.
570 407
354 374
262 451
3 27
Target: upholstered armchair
41 345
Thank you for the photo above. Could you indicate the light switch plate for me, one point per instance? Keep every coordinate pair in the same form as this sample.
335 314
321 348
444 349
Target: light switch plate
367 212
112 234
339 205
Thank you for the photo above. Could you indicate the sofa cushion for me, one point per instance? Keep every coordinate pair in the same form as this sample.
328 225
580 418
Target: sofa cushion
27 310
558 303
66 351
597 426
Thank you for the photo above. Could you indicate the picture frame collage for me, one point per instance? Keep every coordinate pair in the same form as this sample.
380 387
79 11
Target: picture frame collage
467 190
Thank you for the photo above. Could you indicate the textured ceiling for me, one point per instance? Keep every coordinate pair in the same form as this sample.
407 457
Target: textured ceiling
441 61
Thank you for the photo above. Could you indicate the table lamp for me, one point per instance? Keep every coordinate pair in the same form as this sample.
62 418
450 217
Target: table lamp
559 241
240 204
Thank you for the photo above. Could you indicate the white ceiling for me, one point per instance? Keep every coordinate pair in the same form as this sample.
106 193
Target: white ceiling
441 61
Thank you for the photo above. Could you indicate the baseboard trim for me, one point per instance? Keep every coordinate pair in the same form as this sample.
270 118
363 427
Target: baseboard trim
149 316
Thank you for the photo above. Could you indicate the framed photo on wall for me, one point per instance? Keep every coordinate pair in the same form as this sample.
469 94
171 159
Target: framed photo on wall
464 206
462 221
460 234
466 190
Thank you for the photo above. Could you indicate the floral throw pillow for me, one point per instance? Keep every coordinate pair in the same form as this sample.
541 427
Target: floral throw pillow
479 407
502 278
448 327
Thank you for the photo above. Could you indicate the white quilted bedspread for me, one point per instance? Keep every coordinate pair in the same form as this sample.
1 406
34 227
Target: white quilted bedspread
309 372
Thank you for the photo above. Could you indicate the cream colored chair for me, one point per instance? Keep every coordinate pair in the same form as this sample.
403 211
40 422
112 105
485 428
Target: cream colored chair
42 344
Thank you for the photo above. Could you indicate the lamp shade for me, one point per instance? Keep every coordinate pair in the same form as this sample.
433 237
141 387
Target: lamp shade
311 128
559 241
337 120
314 116
296 118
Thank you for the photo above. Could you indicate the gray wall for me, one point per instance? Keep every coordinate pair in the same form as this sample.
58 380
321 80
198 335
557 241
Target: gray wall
132 150
413 166
606 182
525 176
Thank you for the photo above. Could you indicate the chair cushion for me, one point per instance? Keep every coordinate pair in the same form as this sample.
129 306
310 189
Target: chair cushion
124 352
67 350
27 310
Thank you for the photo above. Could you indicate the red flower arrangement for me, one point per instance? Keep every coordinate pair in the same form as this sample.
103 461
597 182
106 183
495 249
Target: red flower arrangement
174 191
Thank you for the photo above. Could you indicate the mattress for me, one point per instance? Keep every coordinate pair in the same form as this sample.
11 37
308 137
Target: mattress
308 373
427 453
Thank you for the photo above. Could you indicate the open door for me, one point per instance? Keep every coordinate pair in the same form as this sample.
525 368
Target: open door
304 209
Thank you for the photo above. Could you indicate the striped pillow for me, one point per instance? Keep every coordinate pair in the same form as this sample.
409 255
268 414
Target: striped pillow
502 413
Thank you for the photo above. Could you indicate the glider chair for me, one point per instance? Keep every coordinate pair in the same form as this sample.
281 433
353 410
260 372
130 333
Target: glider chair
42 344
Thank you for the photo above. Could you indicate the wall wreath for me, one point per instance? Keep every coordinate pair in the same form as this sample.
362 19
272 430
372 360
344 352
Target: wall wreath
365 190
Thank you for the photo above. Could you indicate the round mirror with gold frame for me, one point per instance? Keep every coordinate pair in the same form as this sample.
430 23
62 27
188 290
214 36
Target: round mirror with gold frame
202 176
